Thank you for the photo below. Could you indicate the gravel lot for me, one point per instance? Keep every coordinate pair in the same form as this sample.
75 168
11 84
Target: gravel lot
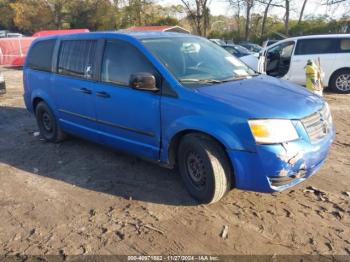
81 198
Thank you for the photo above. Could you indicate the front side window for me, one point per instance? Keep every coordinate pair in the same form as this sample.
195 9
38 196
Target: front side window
77 57
121 60
40 56
316 46
196 61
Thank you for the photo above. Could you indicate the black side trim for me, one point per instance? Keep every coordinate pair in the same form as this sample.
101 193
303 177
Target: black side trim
126 128
78 115
109 123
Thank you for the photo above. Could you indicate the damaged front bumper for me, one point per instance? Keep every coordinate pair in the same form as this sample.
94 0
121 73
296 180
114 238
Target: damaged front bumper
274 168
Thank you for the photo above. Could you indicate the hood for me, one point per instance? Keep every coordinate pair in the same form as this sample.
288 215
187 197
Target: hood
265 97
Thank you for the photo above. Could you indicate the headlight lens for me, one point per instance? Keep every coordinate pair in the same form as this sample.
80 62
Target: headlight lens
273 131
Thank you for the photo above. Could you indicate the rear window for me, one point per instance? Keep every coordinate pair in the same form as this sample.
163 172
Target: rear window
40 55
345 45
77 57
316 46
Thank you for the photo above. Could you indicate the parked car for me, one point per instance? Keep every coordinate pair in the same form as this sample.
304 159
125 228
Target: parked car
218 41
2 84
7 34
178 100
237 50
269 42
243 54
287 59
251 47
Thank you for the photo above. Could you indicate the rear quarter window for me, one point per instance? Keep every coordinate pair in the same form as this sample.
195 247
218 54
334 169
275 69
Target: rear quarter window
344 45
40 55
316 46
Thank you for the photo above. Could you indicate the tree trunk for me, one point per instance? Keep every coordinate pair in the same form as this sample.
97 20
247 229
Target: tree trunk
302 11
247 23
265 17
286 21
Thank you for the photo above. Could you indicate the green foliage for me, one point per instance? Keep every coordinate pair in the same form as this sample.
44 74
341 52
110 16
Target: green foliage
29 16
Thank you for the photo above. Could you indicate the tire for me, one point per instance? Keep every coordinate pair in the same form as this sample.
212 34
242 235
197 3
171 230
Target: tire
204 167
48 126
340 81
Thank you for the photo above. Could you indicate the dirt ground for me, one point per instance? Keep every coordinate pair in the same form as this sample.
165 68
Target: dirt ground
81 198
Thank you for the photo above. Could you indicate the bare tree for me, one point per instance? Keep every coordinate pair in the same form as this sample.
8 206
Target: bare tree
286 17
237 5
267 5
302 11
198 13
334 2
266 11
248 6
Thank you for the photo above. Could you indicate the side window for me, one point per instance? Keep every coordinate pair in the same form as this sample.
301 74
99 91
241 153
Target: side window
284 50
120 60
40 56
77 57
345 45
316 46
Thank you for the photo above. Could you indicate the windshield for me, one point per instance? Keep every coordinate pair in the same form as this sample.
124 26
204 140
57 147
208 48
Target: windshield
194 60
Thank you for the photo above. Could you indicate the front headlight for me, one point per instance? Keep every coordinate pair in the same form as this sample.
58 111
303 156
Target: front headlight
273 131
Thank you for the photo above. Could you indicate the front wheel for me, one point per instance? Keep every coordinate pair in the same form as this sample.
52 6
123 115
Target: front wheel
204 167
340 81
48 126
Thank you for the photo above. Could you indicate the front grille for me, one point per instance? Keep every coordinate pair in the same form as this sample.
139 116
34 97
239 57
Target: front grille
318 124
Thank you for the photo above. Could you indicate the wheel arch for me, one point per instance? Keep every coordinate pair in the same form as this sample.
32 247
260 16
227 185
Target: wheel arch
175 142
36 101
335 72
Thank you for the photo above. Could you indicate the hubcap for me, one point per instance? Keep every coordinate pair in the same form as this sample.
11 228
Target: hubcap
343 82
47 123
196 169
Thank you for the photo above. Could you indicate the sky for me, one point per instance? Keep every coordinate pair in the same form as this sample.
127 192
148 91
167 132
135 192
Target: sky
313 7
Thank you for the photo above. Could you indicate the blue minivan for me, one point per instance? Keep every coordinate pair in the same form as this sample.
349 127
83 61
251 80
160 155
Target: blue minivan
181 101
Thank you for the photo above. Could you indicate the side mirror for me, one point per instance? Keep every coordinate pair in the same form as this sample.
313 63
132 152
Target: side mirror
143 81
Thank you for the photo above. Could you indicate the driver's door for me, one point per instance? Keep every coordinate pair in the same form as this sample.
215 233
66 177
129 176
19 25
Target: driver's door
128 119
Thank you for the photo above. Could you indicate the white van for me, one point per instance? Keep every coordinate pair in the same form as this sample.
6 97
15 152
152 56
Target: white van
287 58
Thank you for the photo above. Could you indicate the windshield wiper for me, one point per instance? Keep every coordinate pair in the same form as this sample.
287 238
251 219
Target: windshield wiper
215 81
237 78
201 81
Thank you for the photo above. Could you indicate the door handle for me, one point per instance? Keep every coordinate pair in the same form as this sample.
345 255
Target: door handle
103 94
85 91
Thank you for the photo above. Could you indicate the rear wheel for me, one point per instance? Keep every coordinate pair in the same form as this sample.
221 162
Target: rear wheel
47 123
340 81
204 167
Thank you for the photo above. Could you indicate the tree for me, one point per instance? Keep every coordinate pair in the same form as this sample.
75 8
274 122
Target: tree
7 15
248 6
237 6
32 15
266 10
302 11
286 17
198 14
